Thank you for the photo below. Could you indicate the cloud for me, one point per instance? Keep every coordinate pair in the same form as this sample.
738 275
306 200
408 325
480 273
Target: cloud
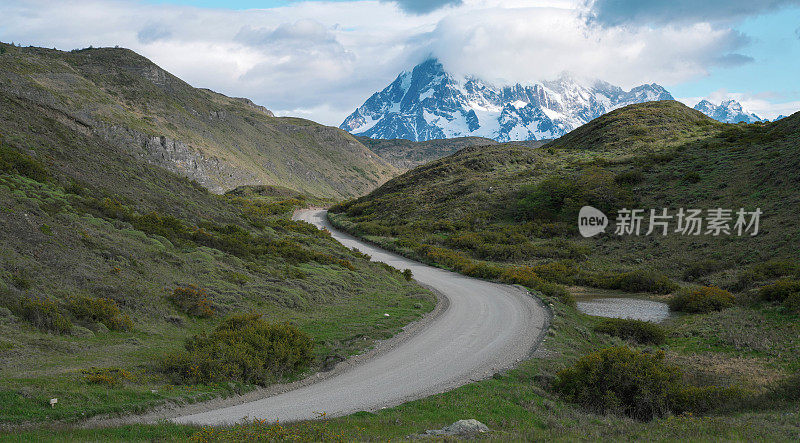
529 44
619 12
423 6
322 59
153 32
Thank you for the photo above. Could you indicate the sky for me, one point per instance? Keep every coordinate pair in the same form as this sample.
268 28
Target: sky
322 59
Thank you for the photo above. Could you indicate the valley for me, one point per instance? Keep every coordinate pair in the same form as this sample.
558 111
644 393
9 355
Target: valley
167 271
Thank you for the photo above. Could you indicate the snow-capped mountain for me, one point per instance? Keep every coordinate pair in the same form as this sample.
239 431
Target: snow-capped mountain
730 111
429 103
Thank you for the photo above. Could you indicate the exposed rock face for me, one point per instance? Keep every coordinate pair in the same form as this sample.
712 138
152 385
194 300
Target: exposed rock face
178 157
461 428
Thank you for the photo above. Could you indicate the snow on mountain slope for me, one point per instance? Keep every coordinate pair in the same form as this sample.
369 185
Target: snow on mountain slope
428 103
730 111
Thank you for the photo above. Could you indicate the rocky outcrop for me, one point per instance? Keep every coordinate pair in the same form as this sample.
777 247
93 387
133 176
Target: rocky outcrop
178 157
463 428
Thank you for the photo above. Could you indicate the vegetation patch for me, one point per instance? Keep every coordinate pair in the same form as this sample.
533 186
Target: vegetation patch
99 310
105 376
193 301
642 332
242 348
701 300
42 313
640 385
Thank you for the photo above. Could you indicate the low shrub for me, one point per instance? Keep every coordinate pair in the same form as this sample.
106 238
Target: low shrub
105 376
407 274
700 269
704 399
42 313
642 332
242 348
701 300
521 275
792 303
263 430
768 270
633 281
99 310
780 290
193 301
555 272
622 381
13 161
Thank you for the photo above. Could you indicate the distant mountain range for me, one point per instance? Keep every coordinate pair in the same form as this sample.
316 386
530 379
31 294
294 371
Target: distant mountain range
429 103
730 111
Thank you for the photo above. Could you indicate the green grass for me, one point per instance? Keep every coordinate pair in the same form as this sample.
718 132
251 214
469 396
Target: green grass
133 242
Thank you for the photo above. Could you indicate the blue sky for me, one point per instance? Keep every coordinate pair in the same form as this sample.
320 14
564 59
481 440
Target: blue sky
320 60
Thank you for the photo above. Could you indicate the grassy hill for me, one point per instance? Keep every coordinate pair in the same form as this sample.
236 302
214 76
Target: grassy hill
109 263
509 213
218 141
485 201
407 154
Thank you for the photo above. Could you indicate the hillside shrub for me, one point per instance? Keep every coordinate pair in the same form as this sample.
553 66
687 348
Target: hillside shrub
193 301
780 290
641 332
701 300
555 272
785 291
243 348
99 310
13 161
621 381
633 281
105 376
42 313
700 269
640 385
704 399
768 270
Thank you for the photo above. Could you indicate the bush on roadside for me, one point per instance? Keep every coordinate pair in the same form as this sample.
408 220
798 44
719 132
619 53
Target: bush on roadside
640 385
641 332
701 300
242 348
621 381
99 310
193 301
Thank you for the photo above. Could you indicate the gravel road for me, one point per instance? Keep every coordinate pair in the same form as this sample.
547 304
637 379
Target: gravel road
485 328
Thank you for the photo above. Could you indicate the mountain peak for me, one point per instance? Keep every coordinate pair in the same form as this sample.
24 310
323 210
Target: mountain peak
729 111
430 103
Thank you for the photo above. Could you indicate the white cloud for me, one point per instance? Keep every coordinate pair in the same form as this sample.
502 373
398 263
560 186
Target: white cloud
323 59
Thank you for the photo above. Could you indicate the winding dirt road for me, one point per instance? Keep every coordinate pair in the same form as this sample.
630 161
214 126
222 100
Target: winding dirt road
485 328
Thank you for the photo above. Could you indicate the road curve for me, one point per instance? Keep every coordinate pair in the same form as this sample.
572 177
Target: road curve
486 327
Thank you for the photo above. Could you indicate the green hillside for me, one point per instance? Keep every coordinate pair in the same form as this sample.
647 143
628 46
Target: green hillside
512 204
218 141
407 154
108 263
510 213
